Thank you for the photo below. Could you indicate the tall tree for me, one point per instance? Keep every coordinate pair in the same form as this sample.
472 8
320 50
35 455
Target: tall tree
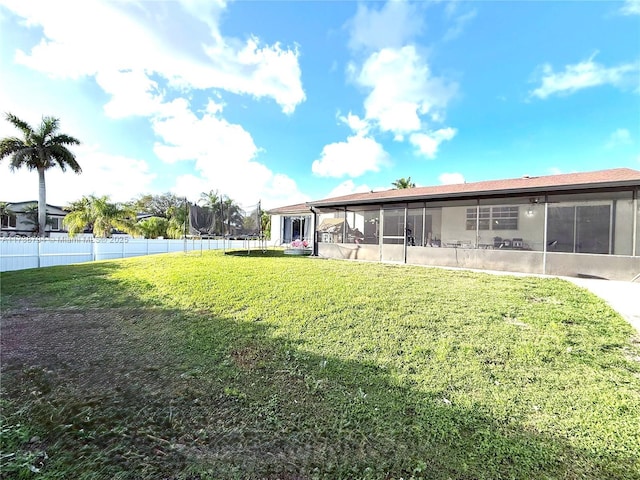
157 205
403 183
40 149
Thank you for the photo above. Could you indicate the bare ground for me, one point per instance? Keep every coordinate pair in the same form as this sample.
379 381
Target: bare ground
93 378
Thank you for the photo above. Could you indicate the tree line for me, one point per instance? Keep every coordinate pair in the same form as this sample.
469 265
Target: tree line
43 147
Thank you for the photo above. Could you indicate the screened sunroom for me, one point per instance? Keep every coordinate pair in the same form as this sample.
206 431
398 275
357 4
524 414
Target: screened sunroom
573 224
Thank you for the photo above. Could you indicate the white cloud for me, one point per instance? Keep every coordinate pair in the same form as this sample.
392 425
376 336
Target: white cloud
402 90
459 24
451 178
428 143
355 123
584 75
102 174
224 156
355 157
86 44
132 93
346 188
150 58
621 136
394 25
631 7
210 140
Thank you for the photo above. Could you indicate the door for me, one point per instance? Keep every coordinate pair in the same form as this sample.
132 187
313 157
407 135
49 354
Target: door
393 235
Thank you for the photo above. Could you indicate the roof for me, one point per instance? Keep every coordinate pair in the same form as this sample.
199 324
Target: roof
20 207
616 177
298 208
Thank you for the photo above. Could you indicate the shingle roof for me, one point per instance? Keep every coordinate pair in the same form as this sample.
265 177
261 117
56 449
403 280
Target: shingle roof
298 208
568 181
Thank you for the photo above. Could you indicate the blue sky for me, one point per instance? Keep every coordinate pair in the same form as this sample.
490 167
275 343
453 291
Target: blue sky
293 101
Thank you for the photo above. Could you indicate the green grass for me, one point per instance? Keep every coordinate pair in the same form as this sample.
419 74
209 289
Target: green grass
223 366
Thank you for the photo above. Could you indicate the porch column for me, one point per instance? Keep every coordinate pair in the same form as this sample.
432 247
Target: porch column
544 235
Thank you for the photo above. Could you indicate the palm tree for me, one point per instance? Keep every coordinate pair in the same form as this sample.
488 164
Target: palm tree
40 149
403 183
80 216
213 201
177 225
233 214
99 214
265 224
31 215
5 214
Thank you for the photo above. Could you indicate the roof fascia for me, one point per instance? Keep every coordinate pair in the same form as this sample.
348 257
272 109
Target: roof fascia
582 188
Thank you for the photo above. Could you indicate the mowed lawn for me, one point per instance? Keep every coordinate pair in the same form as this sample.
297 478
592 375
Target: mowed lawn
220 366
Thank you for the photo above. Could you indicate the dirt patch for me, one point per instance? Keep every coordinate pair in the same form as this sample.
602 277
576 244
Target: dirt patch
93 347
107 393
92 384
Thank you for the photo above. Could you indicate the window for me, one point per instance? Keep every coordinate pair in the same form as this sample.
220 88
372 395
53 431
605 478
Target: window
485 218
56 223
8 221
504 218
579 229
493 218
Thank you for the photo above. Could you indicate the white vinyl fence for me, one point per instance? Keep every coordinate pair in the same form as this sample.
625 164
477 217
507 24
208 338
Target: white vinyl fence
22 253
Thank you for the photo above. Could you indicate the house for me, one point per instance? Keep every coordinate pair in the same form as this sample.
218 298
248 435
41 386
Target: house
20 219
577 224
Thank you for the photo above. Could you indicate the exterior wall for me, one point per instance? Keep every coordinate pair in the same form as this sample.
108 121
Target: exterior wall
530 228
503 260
611 267
276 229
350 251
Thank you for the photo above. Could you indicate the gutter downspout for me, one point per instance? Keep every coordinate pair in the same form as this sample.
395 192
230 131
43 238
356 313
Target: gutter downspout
634 232
315 231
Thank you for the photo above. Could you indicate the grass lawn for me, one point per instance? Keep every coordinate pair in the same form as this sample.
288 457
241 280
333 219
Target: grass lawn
219 366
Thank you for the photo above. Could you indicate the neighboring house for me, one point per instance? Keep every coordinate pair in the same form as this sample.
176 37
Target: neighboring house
571 224
19 223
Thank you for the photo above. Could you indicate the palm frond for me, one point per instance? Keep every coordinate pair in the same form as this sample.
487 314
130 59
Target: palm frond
64 158
20 124
10 146
48 127
63 139
27 157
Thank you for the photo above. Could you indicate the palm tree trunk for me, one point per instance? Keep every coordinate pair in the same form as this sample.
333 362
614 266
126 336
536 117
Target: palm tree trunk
42 203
